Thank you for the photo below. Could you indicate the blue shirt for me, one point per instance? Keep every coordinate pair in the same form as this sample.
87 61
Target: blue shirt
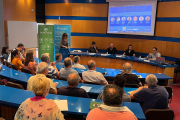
153 97
58 62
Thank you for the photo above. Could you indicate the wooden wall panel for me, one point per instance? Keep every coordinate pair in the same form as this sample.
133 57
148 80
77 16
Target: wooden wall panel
53 21
168 29
168 9
93 10
60 9
18 10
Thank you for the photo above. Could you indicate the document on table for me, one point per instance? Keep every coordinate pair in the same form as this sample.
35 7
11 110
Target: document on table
139 76
62 104
87 89
130 92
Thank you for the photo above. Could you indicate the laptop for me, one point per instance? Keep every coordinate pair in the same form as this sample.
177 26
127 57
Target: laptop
161 60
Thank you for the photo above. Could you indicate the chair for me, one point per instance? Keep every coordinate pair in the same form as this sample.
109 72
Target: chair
14 85
6 63
177 70
170 91
92 83
48 76
26 71
1 60
159 114
131 85
64 79
13 67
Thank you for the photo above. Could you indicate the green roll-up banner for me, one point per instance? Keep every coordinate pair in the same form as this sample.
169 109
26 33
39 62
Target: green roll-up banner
46 40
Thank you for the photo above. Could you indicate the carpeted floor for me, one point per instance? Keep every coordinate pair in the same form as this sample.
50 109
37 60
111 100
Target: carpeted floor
175 104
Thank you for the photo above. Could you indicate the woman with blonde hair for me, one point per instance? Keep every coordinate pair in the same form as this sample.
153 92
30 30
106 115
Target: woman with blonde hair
38 107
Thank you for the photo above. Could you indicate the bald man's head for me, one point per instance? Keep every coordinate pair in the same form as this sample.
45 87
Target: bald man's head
73 79
91 64
67 62
127 67
42 67
111 45
151 80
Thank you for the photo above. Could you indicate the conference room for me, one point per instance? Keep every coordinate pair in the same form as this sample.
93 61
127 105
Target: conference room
89 59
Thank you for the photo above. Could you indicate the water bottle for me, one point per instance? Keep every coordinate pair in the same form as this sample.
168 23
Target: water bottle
140 57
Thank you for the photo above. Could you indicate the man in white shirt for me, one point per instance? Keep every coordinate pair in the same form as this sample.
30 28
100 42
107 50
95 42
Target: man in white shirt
21 48
154 54
77 61
93 76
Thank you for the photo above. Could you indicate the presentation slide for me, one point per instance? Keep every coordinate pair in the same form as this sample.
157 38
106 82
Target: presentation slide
137 18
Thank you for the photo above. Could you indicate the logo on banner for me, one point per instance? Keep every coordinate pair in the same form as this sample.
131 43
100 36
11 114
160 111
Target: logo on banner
45 29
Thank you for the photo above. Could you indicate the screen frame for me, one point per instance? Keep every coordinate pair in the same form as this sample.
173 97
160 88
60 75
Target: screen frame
155 20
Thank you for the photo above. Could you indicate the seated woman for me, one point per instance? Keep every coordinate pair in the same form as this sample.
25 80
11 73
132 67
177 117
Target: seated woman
16 59
129 51
4 53
38 107
30 64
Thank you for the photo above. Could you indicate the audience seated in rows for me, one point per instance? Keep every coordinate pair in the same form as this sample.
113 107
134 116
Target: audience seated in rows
77 63
58 57
5 53
131 78
65 72
30 64
38 107
16 59
72 90
93 76
52 70
111 109
120 81
20 48
152 96
42 71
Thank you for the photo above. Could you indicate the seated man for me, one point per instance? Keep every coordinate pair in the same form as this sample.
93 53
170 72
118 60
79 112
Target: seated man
42 71
72 90
92 76
111 109
111 49
58 59
153 97
93 49
77 61
52 70
20 48
154 54
65 72
131 78
120 81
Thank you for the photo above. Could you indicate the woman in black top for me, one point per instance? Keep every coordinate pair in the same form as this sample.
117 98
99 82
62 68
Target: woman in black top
129 51
5 53
64 41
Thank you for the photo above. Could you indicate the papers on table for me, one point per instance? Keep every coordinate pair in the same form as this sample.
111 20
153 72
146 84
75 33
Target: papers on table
146 61
118 55
130 92
62 104
92 53
105 54
87 89
139 76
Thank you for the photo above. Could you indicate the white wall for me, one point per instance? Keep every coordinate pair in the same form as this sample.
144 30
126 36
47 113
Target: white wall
2 37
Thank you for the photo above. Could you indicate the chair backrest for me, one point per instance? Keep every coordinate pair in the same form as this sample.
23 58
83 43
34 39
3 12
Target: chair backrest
159 114
48 76
170 91
26 71
92 83
14 85
178 62
6 63
131 85
13 67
